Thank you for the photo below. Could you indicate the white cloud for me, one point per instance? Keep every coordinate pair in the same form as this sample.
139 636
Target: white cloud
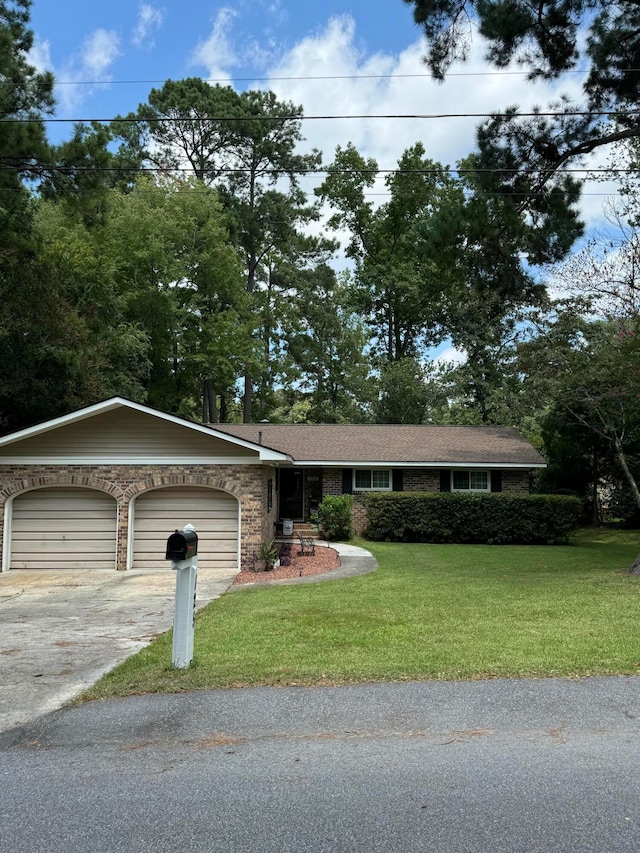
384 84
40 55
217 53
88 68
149 19
329 74
449 356
99 52
392 85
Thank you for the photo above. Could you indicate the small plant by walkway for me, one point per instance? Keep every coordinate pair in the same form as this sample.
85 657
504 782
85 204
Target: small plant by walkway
428 612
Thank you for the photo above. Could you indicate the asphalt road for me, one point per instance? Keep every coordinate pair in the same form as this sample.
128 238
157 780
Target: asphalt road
548 765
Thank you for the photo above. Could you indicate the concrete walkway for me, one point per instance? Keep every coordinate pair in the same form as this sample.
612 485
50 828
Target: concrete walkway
63 630
353 561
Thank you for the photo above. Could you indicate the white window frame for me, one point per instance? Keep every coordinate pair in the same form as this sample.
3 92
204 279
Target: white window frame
373 488
469 472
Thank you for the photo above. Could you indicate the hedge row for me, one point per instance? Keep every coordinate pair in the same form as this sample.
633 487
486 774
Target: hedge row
460 517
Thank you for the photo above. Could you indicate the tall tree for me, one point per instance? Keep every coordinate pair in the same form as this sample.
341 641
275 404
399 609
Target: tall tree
327 345
246 146
398 281
160 288
441 259
39 332
410 393
524 155
591 371
26 96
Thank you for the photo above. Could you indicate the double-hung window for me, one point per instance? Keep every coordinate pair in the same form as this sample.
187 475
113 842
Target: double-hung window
470 481
372 479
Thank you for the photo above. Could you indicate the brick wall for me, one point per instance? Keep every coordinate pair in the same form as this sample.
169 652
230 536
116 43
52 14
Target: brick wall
421 480
248 483
515 481
414 480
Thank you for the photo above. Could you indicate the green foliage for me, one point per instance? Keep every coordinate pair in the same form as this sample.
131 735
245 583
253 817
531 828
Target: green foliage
326 343
398 279
25 98
254 164
334 516
459 518
269 552
410 393
158 286
547 40
590 372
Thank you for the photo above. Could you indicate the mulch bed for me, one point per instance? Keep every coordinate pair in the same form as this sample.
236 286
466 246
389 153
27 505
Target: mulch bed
292 565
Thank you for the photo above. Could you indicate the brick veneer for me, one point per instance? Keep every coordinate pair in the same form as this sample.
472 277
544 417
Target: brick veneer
247 483
414 480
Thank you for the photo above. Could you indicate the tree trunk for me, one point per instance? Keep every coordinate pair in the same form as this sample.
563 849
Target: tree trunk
246 403
595 503
622 459
209 403
635 566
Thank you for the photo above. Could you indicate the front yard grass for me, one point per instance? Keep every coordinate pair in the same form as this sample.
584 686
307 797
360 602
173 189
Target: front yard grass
428 612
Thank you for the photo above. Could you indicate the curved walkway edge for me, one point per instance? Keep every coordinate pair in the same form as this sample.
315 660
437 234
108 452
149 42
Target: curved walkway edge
353 561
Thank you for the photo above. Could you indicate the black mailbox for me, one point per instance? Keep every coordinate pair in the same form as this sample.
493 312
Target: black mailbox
182 545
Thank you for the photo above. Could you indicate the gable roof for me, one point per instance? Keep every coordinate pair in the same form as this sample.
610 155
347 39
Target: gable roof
263 453
380 444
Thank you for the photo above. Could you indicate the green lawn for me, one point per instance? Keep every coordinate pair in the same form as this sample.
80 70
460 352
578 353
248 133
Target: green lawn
429 611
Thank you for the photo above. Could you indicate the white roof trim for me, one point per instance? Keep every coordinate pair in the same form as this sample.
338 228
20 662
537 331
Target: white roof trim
483 465
129 460
264 453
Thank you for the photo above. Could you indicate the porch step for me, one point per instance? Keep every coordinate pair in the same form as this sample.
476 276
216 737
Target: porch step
307 531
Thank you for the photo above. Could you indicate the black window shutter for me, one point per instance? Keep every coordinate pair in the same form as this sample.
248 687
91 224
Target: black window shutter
445 480
496 481
398 480
347 481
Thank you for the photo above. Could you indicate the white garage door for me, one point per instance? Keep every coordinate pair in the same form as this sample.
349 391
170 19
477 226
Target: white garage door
63 529
214 515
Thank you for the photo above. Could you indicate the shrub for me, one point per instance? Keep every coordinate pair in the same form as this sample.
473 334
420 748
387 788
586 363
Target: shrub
497 518
334 516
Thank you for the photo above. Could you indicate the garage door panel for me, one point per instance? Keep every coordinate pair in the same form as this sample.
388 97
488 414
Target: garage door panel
214 514
206 547
171 514
82 526
56 546
63 528
28 561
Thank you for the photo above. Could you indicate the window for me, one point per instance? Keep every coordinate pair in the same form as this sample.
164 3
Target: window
470 481
269 494
377 479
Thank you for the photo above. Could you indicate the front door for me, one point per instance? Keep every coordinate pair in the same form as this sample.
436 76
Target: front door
292 494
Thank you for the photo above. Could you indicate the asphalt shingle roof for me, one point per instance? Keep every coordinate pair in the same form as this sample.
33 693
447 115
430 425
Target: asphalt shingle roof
392 443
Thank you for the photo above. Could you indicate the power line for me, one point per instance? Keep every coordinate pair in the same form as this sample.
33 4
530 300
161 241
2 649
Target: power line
307 77
329 117
319 171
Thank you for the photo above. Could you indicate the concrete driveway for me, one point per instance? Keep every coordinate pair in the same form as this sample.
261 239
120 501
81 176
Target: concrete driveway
62 630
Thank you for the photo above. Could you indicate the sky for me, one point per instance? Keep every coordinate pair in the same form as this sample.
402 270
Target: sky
340 58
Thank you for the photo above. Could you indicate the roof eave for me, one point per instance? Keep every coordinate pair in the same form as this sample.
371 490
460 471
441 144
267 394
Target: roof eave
319 463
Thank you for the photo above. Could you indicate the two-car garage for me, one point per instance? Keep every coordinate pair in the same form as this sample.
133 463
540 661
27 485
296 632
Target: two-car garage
76 528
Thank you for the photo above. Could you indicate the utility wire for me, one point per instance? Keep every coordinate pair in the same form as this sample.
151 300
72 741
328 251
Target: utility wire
229 170
225 80
389 117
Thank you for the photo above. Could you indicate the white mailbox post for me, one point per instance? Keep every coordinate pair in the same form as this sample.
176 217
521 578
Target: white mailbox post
182 550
